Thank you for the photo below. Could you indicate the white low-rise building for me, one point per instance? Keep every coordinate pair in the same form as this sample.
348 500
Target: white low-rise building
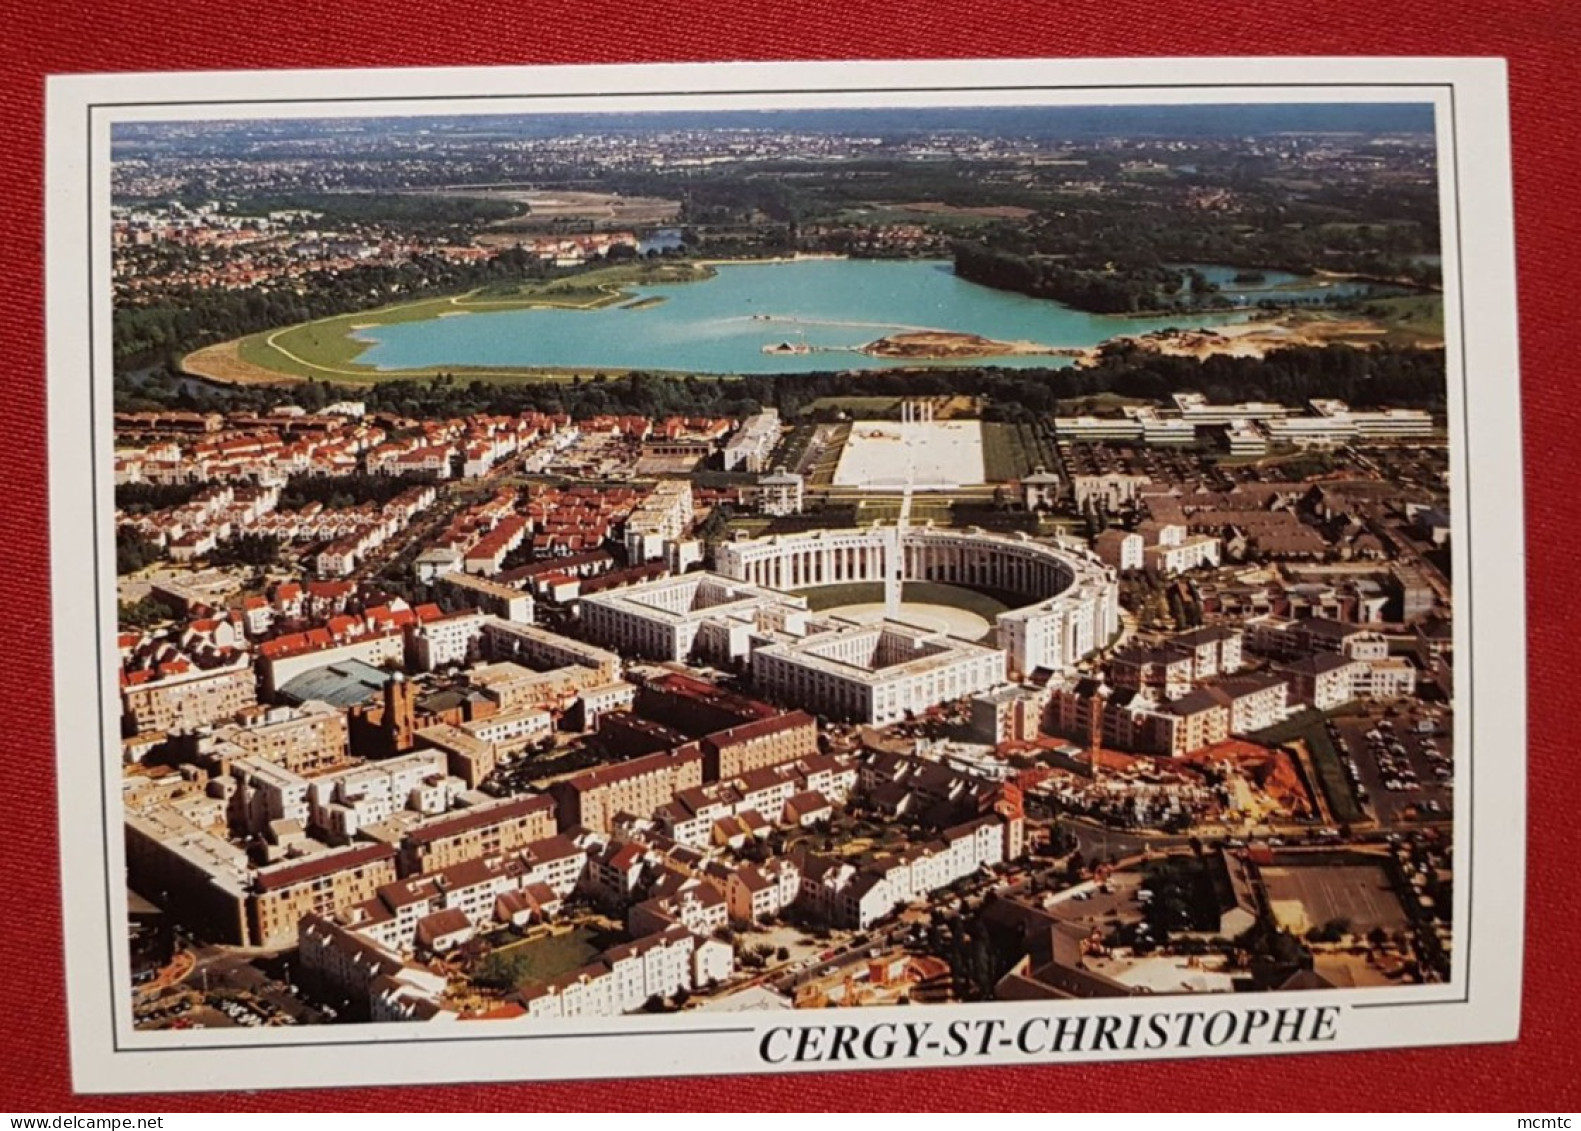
875 674
781 493
710 614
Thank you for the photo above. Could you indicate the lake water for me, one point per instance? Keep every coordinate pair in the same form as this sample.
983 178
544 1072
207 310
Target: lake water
1283 286
722 325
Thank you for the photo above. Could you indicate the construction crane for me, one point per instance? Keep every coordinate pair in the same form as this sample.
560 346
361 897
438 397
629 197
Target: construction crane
1095 735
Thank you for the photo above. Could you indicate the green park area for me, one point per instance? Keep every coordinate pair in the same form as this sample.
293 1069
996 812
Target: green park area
539 960
856 408
1015 450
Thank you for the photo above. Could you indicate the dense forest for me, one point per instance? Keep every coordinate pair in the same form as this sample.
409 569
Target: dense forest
421 215
1411 378
1112 291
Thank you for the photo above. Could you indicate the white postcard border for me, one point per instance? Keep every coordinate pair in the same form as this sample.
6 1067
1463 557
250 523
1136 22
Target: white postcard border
1481 1003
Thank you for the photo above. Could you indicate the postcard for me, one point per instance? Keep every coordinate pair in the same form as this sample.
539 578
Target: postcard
610 571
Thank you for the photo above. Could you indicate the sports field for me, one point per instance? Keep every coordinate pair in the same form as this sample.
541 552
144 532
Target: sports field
1310 896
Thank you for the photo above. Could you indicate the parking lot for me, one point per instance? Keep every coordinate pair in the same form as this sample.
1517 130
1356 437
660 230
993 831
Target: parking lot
1401 766
227 988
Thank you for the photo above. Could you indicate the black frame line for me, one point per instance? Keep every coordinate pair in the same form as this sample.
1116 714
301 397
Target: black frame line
95 459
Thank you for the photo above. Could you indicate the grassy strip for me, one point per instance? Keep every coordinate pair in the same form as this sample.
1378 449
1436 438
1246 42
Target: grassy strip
1308 727
859 408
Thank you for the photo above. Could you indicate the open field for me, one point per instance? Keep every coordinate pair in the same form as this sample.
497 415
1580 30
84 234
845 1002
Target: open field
328 349
886 509
1411 318
867 408
552 208
948 619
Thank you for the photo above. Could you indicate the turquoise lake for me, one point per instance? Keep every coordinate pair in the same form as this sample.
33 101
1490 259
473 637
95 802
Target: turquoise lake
721 325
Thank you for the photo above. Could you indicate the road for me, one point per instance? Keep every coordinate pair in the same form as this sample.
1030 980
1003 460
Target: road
1095 841
227 970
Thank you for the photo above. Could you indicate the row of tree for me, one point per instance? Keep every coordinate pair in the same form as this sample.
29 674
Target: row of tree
1367 378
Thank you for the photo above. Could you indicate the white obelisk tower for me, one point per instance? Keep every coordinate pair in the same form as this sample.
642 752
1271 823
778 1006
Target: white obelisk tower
911 413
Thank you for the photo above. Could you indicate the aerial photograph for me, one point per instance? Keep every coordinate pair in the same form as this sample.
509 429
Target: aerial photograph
582 564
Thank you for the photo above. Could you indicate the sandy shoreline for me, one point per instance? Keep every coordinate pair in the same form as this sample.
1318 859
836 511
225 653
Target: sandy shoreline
1258 338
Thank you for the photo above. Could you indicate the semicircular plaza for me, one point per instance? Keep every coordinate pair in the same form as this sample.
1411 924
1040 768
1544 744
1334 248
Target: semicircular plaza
1070 599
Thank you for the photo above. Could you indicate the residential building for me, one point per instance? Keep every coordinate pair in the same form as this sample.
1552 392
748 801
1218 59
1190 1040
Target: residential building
282 895
491 596
478 831
754 442
662 517
593 798
181 696
1257 701
1324 680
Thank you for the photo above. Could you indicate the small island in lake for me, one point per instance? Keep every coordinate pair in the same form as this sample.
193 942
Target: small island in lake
935 345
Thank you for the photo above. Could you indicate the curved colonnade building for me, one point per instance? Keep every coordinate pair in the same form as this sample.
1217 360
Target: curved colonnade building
1074 602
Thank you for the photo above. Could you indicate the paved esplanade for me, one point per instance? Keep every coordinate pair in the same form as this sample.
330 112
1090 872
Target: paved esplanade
911 412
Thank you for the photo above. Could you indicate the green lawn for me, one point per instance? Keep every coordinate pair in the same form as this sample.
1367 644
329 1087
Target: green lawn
1013 451
540 960
871 511
1415 315
859 408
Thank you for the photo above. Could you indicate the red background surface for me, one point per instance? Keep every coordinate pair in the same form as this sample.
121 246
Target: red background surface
1539 37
